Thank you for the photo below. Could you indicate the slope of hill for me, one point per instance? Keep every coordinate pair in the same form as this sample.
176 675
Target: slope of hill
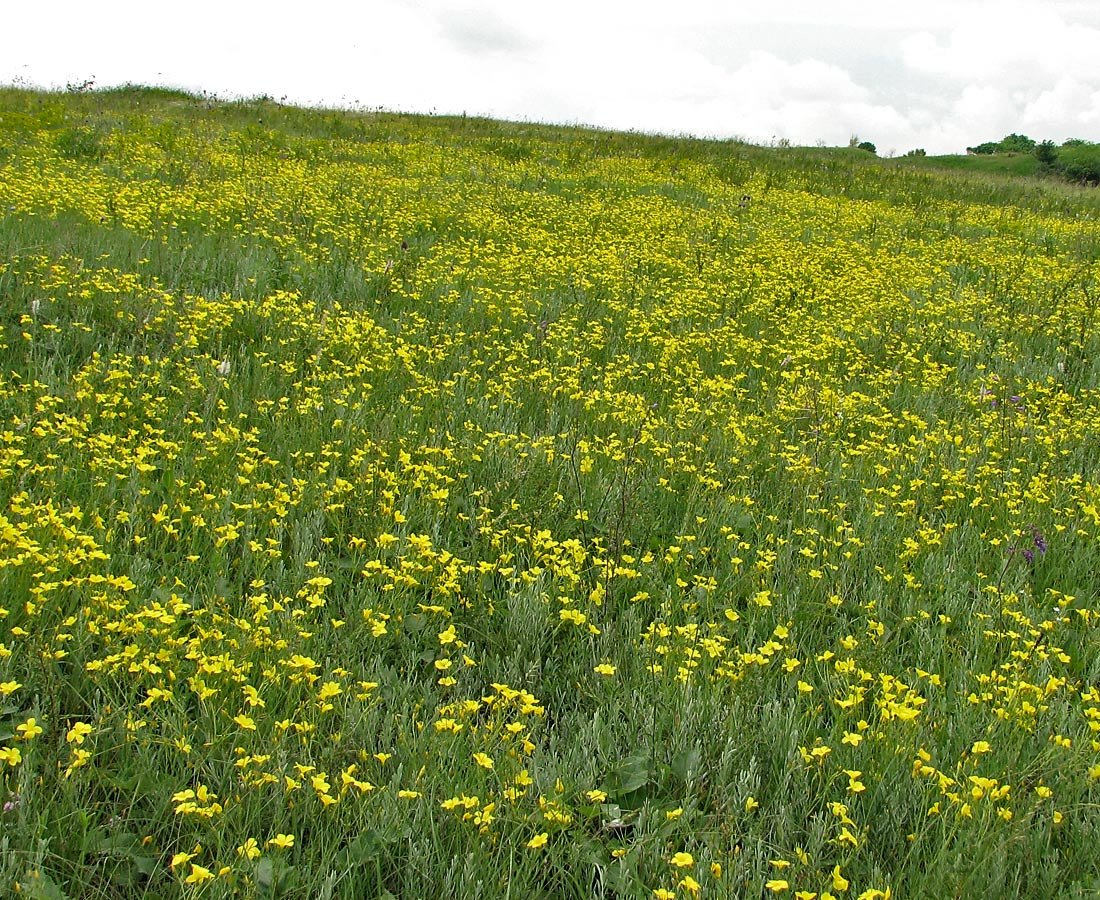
411 506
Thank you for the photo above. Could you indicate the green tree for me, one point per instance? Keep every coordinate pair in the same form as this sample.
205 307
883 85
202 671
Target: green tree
1046 153
1080 163
1017 143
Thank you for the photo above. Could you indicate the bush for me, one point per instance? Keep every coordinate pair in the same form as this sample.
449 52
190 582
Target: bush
1017 143
1046 153
1080 163
868 146
1012 143
919 151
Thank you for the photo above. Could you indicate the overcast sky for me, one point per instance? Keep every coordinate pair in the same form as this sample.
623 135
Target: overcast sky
933 74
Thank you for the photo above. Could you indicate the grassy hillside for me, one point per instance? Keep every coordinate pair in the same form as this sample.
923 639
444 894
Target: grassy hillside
398 507
1019 164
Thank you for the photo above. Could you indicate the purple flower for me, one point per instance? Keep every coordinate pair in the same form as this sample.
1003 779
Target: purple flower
1038 540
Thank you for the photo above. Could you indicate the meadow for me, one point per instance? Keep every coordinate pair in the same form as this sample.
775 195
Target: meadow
400 506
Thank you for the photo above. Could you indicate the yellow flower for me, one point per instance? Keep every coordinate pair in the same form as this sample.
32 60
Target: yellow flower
604 669
777 885
840 883
245 722
539 840
250 849
180 858
77 759
198 875
282 841
690 884
483 760
682 860
29 729
78 732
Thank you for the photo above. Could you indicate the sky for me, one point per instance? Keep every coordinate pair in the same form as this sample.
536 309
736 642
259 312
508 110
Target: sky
935 74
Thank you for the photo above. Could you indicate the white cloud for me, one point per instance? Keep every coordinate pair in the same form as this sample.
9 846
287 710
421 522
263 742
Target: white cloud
1070 105
1016 44
1023 67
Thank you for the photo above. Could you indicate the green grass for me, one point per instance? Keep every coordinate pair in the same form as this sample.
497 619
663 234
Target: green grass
1012 164
508 509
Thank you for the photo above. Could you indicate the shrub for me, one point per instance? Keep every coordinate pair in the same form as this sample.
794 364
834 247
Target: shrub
1017 143
1046 153
868 146
1012 143
1080 163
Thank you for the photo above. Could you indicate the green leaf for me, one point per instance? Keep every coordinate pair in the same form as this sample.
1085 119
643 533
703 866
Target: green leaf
265 873
144 865
686 764
364 848
39 886
274 876
632 773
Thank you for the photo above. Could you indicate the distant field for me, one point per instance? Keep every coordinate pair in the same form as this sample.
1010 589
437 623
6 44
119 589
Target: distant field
402 506
1023 164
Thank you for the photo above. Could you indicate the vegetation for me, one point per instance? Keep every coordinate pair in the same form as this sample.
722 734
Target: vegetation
1013 143
410 506
1078 161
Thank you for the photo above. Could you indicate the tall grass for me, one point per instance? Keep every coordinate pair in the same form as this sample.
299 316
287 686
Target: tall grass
396 506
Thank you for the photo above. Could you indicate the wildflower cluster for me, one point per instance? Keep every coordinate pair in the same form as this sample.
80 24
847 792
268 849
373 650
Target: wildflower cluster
410 505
